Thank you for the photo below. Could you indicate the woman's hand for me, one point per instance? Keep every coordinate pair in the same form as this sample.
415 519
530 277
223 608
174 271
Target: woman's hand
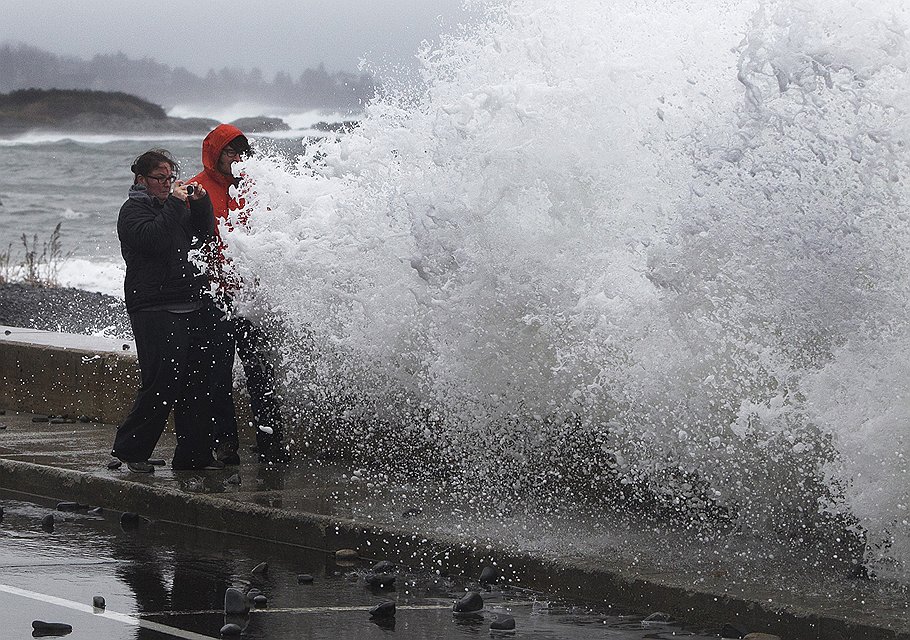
188 190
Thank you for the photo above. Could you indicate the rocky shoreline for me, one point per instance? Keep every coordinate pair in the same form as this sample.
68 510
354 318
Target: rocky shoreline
63 309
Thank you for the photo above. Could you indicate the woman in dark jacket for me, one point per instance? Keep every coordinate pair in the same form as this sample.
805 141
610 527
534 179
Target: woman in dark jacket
174 322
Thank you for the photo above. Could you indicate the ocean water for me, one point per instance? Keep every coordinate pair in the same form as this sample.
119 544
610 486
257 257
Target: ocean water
80 181
644 256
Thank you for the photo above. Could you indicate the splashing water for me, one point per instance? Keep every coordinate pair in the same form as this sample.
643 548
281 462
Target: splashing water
650 254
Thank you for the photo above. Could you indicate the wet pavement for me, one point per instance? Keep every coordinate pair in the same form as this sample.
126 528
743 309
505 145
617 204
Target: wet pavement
166 581
168 573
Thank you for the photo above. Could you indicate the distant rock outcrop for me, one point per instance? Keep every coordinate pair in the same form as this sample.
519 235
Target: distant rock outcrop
261 124
78 110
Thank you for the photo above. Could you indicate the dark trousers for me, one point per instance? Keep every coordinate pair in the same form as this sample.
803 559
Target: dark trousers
176 357
253 345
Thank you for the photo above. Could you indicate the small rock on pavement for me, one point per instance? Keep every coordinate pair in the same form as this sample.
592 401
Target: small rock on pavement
235 602
260 600
659 617
98 602
261 569
503 623
234 479
70 506
380 580
114 464
733 631
760 636
47 522
231 629
346 554
1 513
304 578
489 575
383 610
471 603
51 627
129 520
384 566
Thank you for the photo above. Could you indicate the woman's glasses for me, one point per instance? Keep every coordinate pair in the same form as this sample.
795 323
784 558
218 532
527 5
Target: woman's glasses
163 179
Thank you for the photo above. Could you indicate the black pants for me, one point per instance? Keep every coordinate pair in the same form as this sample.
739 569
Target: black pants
176 358
253 345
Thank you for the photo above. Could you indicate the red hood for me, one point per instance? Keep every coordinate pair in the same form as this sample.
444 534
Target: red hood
214 143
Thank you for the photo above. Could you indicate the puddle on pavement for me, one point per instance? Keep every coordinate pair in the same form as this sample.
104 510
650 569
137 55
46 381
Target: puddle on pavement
177 577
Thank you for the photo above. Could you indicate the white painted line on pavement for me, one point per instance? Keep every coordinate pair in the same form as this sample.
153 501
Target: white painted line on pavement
104 613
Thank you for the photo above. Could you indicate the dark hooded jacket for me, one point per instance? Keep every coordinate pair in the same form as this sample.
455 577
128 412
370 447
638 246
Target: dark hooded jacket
155 240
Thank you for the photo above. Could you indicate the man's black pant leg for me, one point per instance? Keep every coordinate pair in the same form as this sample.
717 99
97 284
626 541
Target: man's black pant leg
254 349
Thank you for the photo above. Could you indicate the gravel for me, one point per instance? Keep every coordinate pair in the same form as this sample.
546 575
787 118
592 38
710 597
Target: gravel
63 309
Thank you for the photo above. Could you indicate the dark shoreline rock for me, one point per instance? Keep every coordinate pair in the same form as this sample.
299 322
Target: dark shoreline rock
62 309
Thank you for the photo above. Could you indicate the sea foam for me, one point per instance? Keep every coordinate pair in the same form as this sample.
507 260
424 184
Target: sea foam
637 253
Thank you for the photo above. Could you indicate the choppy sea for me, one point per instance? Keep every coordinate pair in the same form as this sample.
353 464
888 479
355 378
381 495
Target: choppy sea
80 180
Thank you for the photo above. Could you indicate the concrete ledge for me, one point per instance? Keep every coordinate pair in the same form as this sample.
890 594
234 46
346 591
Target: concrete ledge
589 583
62 374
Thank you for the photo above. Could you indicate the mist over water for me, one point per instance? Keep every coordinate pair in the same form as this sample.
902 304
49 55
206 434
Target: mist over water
652 255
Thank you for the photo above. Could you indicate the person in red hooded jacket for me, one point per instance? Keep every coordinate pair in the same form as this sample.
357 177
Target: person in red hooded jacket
221 148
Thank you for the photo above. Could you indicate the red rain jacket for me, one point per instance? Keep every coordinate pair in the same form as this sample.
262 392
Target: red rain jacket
218 185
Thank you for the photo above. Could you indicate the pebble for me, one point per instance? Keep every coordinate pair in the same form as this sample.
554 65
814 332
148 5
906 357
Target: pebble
489 575
114 464
383 610
346 554
70 506
98 602
471 603
503 623
231 629
129 520
234 479
84 419
235 602
380 580
659 617
47 522
384 566
304 578
260 600
54 627
261 569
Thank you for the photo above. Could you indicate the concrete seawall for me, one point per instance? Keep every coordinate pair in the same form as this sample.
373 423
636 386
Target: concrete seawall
63 374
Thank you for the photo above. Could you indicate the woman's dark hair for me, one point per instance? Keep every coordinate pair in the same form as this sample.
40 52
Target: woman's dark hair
151 159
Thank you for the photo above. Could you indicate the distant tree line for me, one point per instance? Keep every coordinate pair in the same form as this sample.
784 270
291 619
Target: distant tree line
24 66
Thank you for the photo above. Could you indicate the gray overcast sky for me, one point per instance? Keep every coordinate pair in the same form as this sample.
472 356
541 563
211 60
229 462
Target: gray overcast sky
273 35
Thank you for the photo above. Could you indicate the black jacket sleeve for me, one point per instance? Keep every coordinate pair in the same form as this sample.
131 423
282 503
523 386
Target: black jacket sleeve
148 229
202 216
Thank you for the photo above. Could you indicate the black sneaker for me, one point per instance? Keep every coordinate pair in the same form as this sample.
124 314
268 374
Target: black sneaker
232 459
209 465
140 467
